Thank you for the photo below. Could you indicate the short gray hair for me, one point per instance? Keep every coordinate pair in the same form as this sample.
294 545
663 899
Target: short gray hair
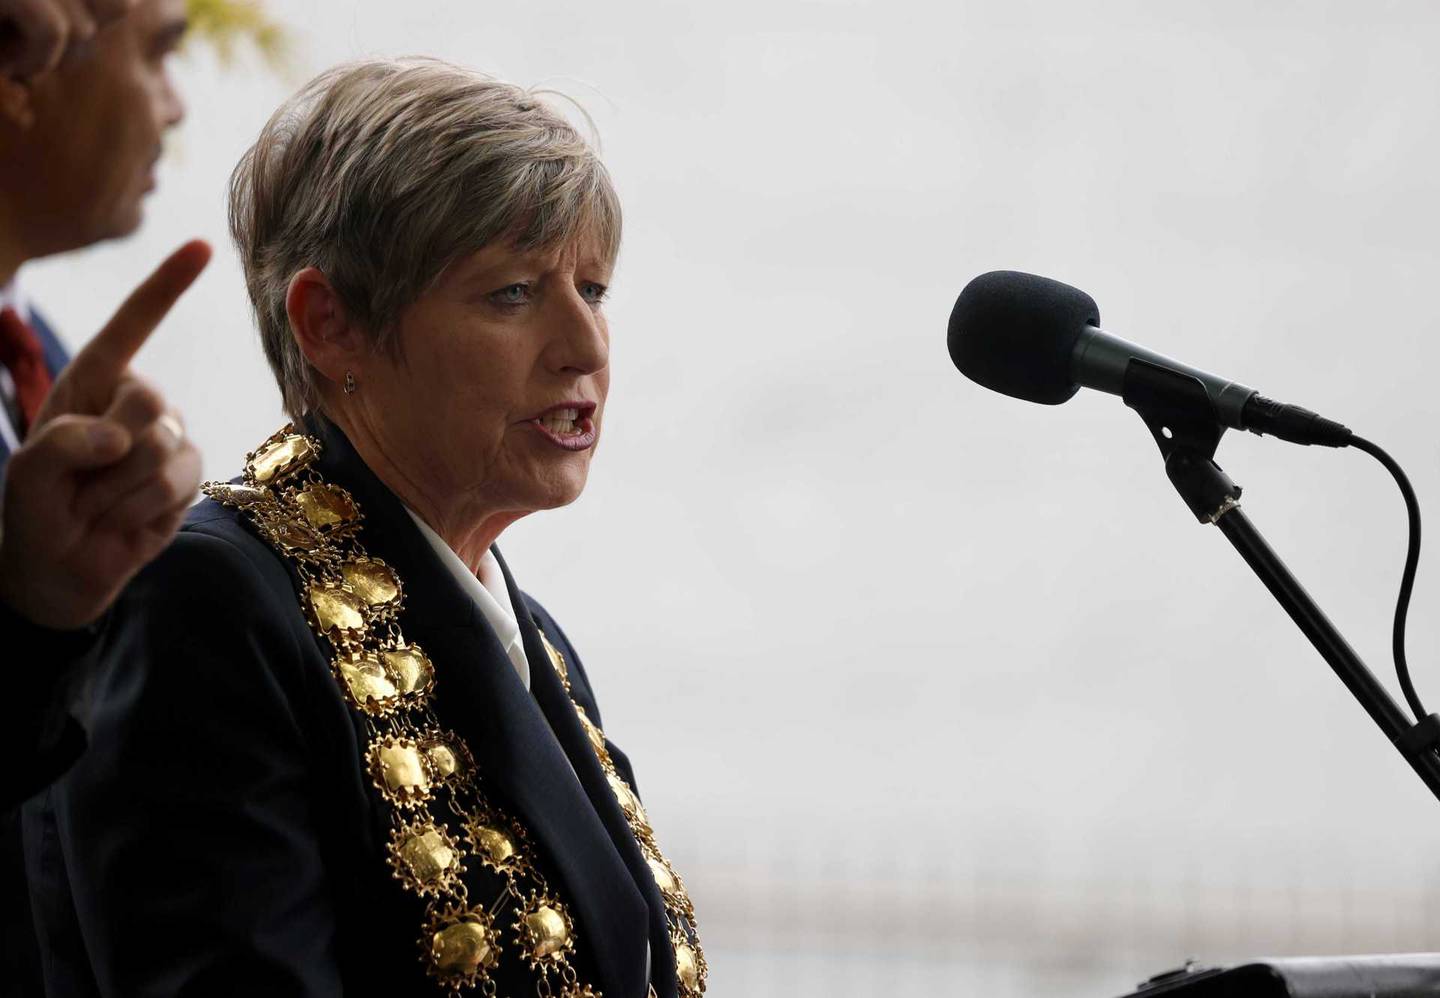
383 172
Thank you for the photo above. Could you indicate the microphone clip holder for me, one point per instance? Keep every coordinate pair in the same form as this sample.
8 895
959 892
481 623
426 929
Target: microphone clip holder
1180 416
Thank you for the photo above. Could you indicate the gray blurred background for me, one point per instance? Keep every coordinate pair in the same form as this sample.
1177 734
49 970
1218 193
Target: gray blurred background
929 689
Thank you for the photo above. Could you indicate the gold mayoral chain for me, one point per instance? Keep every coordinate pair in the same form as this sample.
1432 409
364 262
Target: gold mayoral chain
353 601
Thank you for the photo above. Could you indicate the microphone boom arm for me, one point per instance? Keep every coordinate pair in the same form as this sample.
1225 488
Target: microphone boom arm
1180 416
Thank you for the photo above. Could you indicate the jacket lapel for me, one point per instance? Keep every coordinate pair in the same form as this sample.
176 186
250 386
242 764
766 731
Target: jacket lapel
559 710
482 700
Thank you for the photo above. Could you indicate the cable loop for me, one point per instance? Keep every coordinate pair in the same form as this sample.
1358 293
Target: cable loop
1407 577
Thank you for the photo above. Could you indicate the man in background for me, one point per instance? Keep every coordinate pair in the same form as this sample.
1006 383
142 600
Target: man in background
76 161
79 158
97 472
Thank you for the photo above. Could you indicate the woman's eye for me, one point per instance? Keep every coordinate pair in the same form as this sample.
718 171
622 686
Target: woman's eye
511 294
594 293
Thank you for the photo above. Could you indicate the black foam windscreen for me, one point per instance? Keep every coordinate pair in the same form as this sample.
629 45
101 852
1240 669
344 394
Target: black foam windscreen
1014 334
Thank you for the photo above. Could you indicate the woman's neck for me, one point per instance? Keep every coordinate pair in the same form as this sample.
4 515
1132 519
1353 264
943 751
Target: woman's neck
464 525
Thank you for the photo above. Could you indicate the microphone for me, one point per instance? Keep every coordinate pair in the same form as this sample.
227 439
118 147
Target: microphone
1039 340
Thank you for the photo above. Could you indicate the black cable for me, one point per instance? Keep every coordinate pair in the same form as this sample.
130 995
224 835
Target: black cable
1407 578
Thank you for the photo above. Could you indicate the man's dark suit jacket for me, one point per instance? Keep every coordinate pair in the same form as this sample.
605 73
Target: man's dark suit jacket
43 740
221 837
40 743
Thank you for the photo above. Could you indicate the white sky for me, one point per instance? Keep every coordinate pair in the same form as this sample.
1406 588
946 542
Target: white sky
836 598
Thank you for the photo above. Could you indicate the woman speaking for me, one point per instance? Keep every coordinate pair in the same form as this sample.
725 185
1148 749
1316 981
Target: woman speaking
335 749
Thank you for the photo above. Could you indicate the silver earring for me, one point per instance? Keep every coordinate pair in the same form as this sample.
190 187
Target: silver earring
349 383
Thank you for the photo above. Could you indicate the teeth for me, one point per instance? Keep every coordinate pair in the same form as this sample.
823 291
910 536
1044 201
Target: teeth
561 421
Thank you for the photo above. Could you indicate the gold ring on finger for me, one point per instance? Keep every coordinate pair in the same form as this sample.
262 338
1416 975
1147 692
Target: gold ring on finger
172 423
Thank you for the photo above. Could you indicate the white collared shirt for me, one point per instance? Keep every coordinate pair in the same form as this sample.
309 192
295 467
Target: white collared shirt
489 592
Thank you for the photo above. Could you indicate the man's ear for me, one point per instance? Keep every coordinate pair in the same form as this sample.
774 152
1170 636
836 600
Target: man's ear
320 326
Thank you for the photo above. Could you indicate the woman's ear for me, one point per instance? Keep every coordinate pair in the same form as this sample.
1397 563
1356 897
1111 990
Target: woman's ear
320 326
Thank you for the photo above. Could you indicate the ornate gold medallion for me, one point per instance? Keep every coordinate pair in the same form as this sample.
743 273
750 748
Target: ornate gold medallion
460 944
557 661
373 581
240 496
597 738
425 857
337 611
544 930
450 759
410 670
368 684
292 535
496 846
326 506
665 876
629 803
280 458
687 967
400 771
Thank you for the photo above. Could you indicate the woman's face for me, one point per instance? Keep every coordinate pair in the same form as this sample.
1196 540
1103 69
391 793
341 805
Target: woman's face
494 404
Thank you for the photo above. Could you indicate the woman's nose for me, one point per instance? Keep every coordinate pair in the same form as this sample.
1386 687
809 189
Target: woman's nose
582 343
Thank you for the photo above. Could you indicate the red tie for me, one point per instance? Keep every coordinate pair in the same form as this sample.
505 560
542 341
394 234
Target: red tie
22 354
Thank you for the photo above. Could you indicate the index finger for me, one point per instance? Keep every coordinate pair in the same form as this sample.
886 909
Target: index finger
110 352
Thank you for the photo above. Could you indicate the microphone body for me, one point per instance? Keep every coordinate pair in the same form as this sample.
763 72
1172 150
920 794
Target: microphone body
1100 360
1039 340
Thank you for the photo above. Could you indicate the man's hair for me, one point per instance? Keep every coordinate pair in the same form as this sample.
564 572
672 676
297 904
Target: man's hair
383 172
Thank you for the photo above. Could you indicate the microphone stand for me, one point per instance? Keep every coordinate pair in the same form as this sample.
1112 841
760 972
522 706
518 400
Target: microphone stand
1178 412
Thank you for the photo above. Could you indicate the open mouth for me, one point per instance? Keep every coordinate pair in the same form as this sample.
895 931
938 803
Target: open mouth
569 424
562 422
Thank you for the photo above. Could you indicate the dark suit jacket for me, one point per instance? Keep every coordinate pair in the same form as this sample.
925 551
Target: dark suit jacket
40 743
221 837
43 739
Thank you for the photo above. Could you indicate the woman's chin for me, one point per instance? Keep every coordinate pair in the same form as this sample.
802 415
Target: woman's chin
554 492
